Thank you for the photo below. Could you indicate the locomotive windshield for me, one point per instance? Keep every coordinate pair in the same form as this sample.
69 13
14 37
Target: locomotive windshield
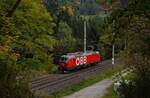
63 59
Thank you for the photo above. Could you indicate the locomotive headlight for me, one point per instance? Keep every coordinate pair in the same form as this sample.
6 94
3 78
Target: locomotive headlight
97 52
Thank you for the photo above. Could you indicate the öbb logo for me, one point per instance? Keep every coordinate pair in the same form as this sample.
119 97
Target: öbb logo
81 60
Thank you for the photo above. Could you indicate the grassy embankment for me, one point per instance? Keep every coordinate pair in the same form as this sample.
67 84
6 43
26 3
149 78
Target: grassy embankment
76 87
110 93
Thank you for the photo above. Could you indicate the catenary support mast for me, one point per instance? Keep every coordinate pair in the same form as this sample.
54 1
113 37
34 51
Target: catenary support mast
84 36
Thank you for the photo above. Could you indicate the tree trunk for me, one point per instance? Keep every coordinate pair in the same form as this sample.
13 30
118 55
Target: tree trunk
147 15
11 12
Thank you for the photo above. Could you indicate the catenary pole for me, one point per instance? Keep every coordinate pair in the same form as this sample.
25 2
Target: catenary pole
113 45
84 36
113 54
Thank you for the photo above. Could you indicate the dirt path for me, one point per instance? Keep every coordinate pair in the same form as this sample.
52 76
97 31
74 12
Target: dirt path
94 91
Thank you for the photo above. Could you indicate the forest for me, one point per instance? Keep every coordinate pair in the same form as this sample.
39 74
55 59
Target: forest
39 32
35 33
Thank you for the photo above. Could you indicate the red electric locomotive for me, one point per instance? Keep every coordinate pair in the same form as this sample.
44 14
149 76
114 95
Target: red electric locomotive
76 60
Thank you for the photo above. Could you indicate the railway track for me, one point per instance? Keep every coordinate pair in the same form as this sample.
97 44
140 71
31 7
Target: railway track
55 82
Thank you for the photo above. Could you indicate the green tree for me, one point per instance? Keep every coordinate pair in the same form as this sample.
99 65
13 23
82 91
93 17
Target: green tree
26 43
61 10
65 41
131 27
13 80
35 42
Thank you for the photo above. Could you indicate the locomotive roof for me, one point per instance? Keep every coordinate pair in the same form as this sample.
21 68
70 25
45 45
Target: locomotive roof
70 55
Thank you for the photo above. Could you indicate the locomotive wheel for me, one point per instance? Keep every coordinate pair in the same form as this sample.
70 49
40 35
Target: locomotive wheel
66 71
63 71
77 68
84 66
88 65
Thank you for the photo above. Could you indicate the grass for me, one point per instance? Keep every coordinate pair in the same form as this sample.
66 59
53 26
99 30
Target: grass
76 87
110 93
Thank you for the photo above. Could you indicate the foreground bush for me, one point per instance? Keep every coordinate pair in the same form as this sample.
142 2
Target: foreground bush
139 85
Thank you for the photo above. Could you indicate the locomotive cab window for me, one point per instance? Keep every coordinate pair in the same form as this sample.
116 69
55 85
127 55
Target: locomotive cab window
63 59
